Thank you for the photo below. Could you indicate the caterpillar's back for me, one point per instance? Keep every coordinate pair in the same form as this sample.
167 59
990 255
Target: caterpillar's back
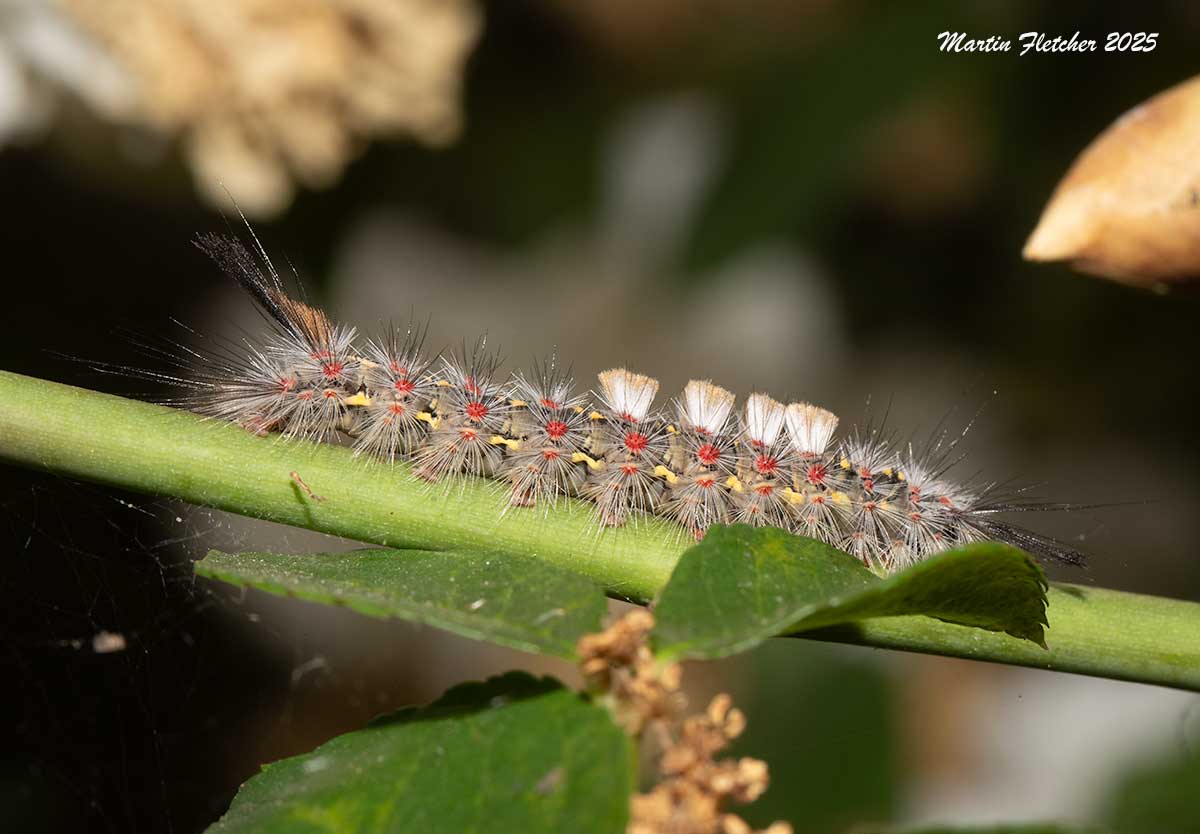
767 464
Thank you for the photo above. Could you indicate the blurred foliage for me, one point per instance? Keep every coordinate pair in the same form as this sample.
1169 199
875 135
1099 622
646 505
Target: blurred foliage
824 720
1159 798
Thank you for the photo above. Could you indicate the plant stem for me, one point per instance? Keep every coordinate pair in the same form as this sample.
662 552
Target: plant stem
161 451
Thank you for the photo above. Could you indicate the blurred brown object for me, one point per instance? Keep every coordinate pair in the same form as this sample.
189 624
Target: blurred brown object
1129 208
265 93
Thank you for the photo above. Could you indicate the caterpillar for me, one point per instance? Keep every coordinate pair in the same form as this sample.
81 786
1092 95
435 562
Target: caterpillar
698 461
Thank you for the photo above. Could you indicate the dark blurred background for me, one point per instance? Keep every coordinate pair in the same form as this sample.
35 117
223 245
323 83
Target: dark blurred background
805 197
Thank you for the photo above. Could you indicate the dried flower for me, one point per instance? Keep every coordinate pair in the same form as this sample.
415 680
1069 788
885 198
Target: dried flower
1129 208
266 93
645 695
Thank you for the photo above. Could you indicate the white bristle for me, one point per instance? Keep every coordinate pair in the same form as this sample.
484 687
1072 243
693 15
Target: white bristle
629 395
705 407
763 419
810 427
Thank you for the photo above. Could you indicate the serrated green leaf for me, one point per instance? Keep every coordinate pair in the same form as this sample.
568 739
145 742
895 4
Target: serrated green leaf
513 754
521 603
742 585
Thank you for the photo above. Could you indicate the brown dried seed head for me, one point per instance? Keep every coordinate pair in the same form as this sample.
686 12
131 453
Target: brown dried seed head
671 676
719 707
733 824
778 828
752 780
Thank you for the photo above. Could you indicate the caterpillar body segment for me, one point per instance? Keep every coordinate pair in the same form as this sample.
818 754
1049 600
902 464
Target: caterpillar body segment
397 388
549 429
701 458
471 409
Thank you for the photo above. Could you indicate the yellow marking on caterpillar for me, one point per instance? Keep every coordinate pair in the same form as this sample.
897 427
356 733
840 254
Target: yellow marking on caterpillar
733 483
593 464
497 440
839 497
902 476
578 409
888 471
444 383
672 430
595 415
360 399
844 463
518 403
429 418
666 474
796 498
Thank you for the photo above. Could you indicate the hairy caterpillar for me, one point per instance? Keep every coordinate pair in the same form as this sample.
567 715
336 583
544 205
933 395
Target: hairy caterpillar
700 462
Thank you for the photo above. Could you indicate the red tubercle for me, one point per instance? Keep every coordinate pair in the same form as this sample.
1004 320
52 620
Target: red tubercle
915 516
766 465
708 454
549 403
868 484
468 434
629 468
556 429
333 369
818 499
764 489
475 410
287 384
706 482
305 395
396 408
551 454
330 394
636 442
404 385
816 474
471 386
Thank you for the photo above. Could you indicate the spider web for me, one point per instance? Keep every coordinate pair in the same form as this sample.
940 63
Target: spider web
140 697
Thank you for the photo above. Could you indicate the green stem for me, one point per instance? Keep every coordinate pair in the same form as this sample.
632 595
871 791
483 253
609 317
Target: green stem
162 451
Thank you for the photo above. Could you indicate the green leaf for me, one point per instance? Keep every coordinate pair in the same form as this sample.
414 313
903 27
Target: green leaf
742 585
514 754
518 602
